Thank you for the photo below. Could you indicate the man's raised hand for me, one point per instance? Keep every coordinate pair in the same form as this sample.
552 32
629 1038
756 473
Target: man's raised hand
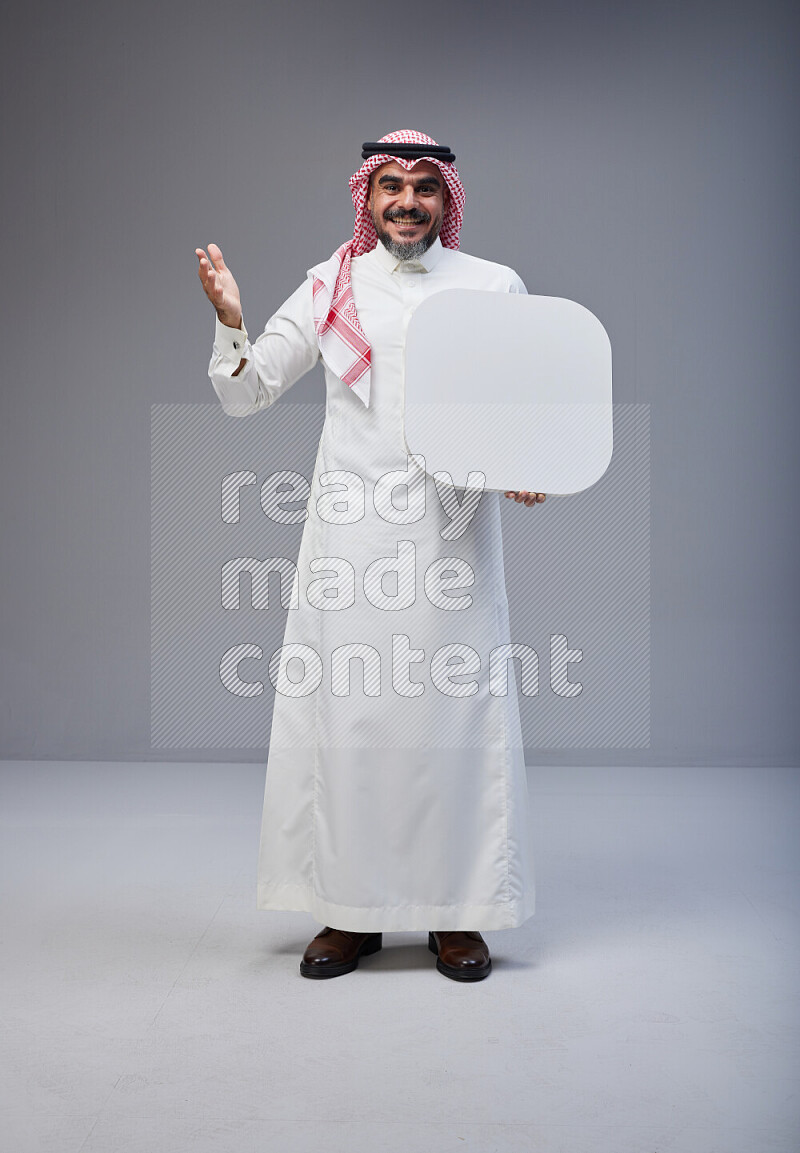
219 285
527 498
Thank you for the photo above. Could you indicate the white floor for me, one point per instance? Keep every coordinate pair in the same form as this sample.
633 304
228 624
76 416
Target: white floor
649 1006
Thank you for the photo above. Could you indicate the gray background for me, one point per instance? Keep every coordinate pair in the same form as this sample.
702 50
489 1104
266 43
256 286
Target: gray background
638 159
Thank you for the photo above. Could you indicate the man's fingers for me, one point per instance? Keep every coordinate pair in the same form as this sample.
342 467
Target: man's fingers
213 259
523 496
210 281
215 252
204 266
214 288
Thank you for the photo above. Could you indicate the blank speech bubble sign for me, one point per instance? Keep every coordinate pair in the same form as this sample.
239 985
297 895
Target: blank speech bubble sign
516 387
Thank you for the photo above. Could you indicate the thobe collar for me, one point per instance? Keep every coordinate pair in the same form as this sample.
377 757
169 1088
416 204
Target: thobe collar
425 263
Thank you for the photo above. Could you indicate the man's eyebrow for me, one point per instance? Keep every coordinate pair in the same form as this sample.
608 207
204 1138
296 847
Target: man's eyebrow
394 179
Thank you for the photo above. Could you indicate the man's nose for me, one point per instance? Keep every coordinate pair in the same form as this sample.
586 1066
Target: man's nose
408 198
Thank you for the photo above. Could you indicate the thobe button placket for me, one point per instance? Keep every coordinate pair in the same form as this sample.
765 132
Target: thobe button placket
411 292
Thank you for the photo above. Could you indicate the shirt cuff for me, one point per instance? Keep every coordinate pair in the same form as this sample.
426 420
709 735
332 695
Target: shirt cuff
230 341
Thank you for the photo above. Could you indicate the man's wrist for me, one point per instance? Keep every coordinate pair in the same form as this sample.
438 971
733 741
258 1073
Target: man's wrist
230 320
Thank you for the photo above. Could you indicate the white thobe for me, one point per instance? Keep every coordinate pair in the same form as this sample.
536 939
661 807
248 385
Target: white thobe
396 794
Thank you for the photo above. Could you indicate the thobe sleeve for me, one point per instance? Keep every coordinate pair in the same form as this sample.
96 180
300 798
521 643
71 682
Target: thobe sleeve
285 351
515 283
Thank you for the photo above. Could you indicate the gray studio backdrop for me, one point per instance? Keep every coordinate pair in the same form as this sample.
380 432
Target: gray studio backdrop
636 158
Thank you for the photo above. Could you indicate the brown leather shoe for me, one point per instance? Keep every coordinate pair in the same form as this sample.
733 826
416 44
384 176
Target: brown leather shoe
463 956
334 952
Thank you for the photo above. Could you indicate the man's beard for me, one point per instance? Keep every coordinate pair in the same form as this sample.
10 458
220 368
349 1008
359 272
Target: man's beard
414 249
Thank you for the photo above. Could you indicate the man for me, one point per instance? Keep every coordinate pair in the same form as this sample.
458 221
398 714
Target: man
399 803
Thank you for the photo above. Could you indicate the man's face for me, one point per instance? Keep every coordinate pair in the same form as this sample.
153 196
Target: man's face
407 207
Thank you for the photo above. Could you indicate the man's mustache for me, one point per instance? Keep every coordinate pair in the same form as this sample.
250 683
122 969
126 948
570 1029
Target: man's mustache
416 215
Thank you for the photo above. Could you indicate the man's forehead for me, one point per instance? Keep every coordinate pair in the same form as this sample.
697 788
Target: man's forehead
422 169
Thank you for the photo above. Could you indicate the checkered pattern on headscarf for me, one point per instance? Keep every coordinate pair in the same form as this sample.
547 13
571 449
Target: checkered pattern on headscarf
341 339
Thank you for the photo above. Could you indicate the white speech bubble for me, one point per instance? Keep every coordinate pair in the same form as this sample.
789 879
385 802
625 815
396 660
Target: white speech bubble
516 387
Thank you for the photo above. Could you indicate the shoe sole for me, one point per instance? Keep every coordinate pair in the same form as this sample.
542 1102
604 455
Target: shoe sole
476 974
319 972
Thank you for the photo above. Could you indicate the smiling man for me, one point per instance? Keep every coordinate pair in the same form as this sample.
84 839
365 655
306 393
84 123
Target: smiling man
402 808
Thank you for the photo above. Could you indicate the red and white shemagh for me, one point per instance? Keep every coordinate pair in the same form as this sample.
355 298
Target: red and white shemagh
342 342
